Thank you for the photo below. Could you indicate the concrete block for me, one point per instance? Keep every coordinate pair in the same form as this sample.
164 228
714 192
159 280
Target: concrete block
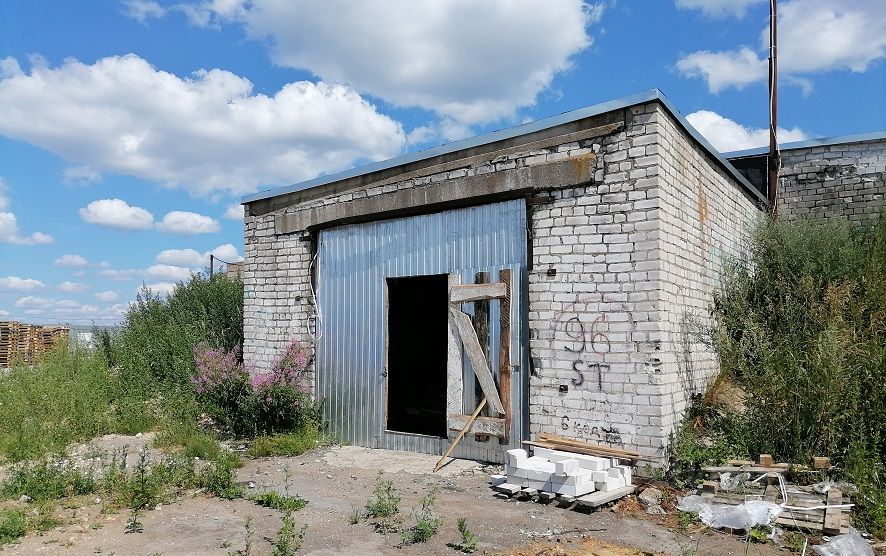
516 458
628 473
498 480
566 467
610 484
600 476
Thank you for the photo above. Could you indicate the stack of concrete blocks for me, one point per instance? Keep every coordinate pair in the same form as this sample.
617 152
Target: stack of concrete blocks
565 473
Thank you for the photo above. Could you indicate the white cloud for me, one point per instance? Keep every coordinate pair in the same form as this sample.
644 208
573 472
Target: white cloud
14 283
32 302
467 61
80 175
168 272
234 212
4 313
727 135
117 275
9 232
161 288
142 10
73 287
67 261
117 214
67 304
721 70
107 296
181 222
193 258
814 36
719 8
206 132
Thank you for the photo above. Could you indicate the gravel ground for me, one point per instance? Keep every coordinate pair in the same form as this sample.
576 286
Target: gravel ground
338 480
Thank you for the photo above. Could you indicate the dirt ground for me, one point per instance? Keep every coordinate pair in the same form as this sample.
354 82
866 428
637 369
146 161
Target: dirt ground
338 480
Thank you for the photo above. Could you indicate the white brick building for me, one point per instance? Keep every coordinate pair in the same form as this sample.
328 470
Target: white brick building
612 222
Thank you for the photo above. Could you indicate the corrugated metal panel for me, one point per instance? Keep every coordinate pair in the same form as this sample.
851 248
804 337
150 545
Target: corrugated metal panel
353 262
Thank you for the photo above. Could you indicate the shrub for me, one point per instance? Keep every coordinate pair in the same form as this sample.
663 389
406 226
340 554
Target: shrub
469 540
800 329
275 402
287 444
13 525
218 478
289 539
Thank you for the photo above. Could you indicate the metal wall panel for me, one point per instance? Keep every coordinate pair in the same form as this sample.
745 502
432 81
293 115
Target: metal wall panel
352 264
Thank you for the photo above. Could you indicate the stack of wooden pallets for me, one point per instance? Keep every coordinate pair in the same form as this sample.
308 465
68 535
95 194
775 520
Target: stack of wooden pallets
27 341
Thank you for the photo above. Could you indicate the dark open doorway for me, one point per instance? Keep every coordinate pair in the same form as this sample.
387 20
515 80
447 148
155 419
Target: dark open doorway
417 346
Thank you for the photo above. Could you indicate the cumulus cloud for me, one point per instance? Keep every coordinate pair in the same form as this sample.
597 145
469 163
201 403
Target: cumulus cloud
73 287
142 10
117 214
728 135
193 258
161 288
719 8
814 36
168 272
68 261
205 132
14 283
123 275
31 301
9 231
181 222
469 62
107 296
233 212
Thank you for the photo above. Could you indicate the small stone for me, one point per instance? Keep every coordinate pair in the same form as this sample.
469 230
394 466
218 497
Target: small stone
650 496
24 499
251 484
655 510
98 500
328 476
138 435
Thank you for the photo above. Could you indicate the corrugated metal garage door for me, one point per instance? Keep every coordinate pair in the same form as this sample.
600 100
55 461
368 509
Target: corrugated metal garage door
352 265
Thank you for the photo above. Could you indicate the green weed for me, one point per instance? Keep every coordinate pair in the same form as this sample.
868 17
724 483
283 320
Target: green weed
289 539
13 525
47 480
218 478
468 539
426 522
279 501
286 444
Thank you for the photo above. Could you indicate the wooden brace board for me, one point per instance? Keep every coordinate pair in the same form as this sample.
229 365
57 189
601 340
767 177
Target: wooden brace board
477 292
493 426
477 358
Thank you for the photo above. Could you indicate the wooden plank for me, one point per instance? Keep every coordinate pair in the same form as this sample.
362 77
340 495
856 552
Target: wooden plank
475 356
455 378
833 517
580 443
464 293
460 435
595 499
504 353
493 426
579 450
480 321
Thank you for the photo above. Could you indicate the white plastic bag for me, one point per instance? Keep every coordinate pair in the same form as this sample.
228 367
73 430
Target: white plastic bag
742 516
849 544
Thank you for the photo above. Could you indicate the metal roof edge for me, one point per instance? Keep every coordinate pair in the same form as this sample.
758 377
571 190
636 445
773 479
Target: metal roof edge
509 133
808 143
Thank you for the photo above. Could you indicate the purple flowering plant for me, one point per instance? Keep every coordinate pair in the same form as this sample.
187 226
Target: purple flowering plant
251 403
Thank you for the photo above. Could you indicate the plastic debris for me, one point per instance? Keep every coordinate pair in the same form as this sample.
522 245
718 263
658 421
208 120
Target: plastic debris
729 483
848 544
742 516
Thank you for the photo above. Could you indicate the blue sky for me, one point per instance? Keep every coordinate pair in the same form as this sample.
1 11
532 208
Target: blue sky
130 129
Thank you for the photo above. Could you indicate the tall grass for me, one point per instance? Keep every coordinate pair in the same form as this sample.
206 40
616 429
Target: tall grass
801 330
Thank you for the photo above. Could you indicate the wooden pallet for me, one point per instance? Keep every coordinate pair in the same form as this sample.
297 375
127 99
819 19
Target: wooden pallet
591 500
830 521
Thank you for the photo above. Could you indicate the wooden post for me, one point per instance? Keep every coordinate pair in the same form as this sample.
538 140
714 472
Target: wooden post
481 325
504 353
461 434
